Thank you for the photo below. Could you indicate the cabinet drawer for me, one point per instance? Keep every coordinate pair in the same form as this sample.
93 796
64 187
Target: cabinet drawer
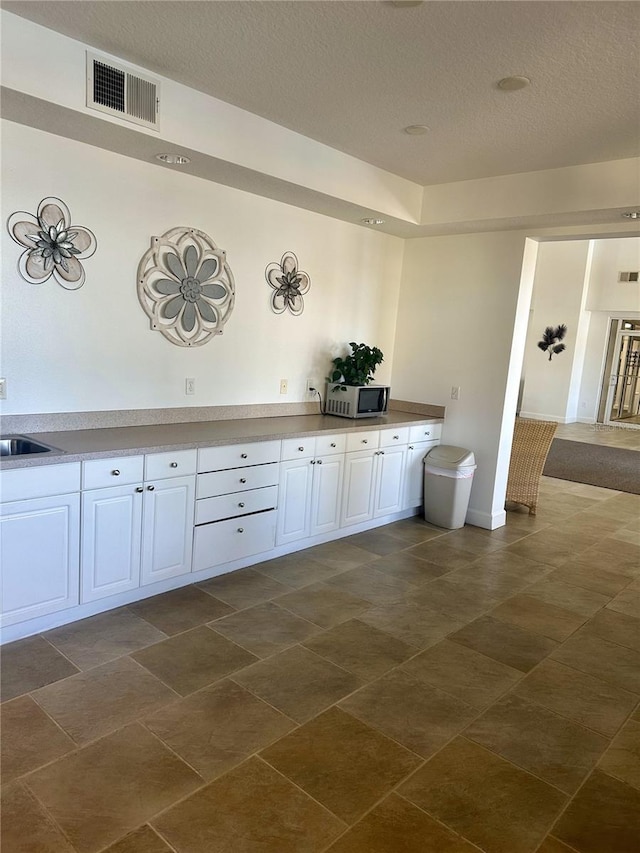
175 463
393 437
236 480
327 445
228 506
224 541
117 471
235 455
21 484
425 432
298 448
363 440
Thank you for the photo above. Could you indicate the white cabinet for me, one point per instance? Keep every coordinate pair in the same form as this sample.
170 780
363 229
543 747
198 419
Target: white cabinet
414 473
39 556
237 496
373 479
309 496
140 532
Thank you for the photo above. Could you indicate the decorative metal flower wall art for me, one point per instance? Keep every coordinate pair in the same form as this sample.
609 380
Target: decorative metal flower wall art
289 285
186 287
52 245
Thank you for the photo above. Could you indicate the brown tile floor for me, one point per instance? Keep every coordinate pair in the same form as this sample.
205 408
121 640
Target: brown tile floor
407 689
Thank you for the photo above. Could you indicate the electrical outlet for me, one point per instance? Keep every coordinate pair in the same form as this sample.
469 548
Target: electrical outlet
311 388
3 389
455 392
284 386
190 386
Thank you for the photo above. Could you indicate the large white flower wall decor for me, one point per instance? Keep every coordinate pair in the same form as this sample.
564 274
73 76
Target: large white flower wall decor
53 247
186 287
289 285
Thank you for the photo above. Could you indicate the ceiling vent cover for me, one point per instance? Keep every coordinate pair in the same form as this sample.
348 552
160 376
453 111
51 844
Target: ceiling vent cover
115 90
629 276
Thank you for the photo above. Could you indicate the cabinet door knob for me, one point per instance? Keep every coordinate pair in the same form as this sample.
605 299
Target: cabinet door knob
333 444
139 489
301 449
243 479
241 504
116 472
241 530
396 437
150 488
411 447
313 462
243 456
174 465
319 461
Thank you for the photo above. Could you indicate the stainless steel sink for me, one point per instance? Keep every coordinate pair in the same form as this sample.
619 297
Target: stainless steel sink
21 445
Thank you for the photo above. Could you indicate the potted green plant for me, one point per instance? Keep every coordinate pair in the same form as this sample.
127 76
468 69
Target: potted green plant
355 369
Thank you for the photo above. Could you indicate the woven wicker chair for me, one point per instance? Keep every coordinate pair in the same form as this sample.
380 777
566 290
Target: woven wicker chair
531 445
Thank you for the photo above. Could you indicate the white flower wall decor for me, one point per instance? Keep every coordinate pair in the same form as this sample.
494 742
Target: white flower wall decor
185 287
53 247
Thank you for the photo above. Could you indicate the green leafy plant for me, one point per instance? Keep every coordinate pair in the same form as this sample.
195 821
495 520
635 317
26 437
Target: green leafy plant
357 368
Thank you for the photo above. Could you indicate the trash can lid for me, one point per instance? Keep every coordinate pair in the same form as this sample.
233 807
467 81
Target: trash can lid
448 456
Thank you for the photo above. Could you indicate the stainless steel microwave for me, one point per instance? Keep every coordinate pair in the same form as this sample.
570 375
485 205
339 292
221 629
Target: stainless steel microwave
357 401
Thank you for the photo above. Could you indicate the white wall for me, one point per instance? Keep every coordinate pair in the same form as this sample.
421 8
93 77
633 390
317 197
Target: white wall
92 349
559 292
456 328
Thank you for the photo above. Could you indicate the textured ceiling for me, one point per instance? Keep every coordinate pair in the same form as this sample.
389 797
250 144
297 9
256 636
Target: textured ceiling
353 74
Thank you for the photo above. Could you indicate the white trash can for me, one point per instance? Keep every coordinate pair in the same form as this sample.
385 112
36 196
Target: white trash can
448 476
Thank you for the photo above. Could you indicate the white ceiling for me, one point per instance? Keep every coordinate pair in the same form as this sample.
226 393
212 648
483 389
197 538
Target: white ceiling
353 74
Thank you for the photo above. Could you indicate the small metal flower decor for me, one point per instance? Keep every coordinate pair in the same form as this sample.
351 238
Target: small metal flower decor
186 287
289 285
52 245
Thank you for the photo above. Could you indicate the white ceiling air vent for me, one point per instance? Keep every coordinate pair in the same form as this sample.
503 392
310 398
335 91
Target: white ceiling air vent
629 276
115 90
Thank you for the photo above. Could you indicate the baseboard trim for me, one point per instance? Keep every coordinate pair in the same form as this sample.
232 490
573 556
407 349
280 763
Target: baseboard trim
488 520
537 416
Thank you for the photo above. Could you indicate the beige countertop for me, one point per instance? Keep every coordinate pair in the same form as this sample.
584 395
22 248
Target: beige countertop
77 445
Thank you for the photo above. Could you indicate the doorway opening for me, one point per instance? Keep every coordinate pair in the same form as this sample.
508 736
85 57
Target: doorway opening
620 392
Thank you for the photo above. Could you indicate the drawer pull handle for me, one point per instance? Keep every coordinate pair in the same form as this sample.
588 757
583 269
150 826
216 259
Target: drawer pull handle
396 437
301 449
365 441
241 504
139 489
427 432
243 456
116 472
150 488
411 447
174 465
333 444
241 530
243 479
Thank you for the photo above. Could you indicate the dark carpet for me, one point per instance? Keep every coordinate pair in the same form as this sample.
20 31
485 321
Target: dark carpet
609 467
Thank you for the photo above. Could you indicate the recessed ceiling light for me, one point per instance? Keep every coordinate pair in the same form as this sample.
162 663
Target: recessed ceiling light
173 159
512 84
632 214
369 221
416 129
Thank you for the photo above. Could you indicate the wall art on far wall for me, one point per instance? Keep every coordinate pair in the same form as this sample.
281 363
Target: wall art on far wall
186 287
52 245
289 285
551 340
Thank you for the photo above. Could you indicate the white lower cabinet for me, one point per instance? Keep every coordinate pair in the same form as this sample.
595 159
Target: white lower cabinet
414 473
39 556
167 529
309 497
390 480
373 484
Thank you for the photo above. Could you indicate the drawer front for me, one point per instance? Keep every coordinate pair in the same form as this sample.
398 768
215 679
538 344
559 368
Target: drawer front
363 440
236 480
235 455
298 448
425 432
21 484
326 445
224 541
394 437
228 506
117 471
175 463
